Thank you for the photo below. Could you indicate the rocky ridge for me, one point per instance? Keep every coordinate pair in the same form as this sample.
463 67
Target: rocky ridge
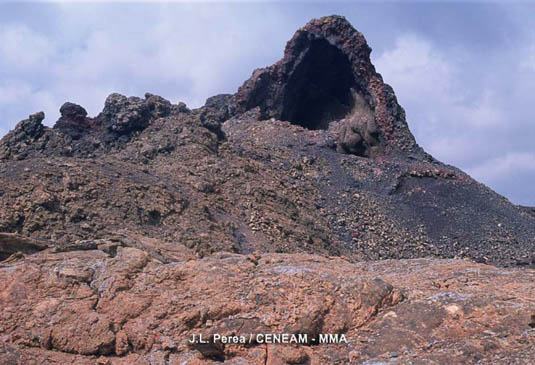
285 192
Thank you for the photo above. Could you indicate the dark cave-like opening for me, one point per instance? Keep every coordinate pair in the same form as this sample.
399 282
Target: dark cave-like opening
319 90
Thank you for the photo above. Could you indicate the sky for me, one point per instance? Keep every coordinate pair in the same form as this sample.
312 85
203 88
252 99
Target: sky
464 72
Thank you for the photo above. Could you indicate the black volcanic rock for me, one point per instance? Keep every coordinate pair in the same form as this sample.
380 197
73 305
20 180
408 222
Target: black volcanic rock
73 112
73 120
122 115
325 76
158 106
23 138
76 134
216 110
28 129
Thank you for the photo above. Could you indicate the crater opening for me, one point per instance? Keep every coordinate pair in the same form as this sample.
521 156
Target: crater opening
319 89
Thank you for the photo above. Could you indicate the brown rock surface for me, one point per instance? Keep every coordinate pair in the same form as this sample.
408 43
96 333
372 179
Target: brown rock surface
15 244
84 306
179 182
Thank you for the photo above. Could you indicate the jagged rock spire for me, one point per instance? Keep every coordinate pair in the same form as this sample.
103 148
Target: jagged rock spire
326 75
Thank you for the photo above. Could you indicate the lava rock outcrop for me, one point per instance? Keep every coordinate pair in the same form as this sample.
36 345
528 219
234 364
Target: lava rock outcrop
76 135
311 154
73 120
325 76
88 307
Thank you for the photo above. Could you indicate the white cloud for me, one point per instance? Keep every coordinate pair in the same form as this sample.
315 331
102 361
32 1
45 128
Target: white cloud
185 53
12 92
507 175
528 58
22 50
24 57
430 84
504 166
414 61
443 114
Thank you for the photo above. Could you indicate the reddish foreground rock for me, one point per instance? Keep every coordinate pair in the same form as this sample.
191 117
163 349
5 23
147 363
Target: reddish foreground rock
87 307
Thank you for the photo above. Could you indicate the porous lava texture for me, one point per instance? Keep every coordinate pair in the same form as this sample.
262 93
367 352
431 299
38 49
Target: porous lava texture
326 76
301 204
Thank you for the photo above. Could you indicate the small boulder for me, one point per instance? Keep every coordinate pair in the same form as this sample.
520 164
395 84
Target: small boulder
73 120
122 115
72 111
159 107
